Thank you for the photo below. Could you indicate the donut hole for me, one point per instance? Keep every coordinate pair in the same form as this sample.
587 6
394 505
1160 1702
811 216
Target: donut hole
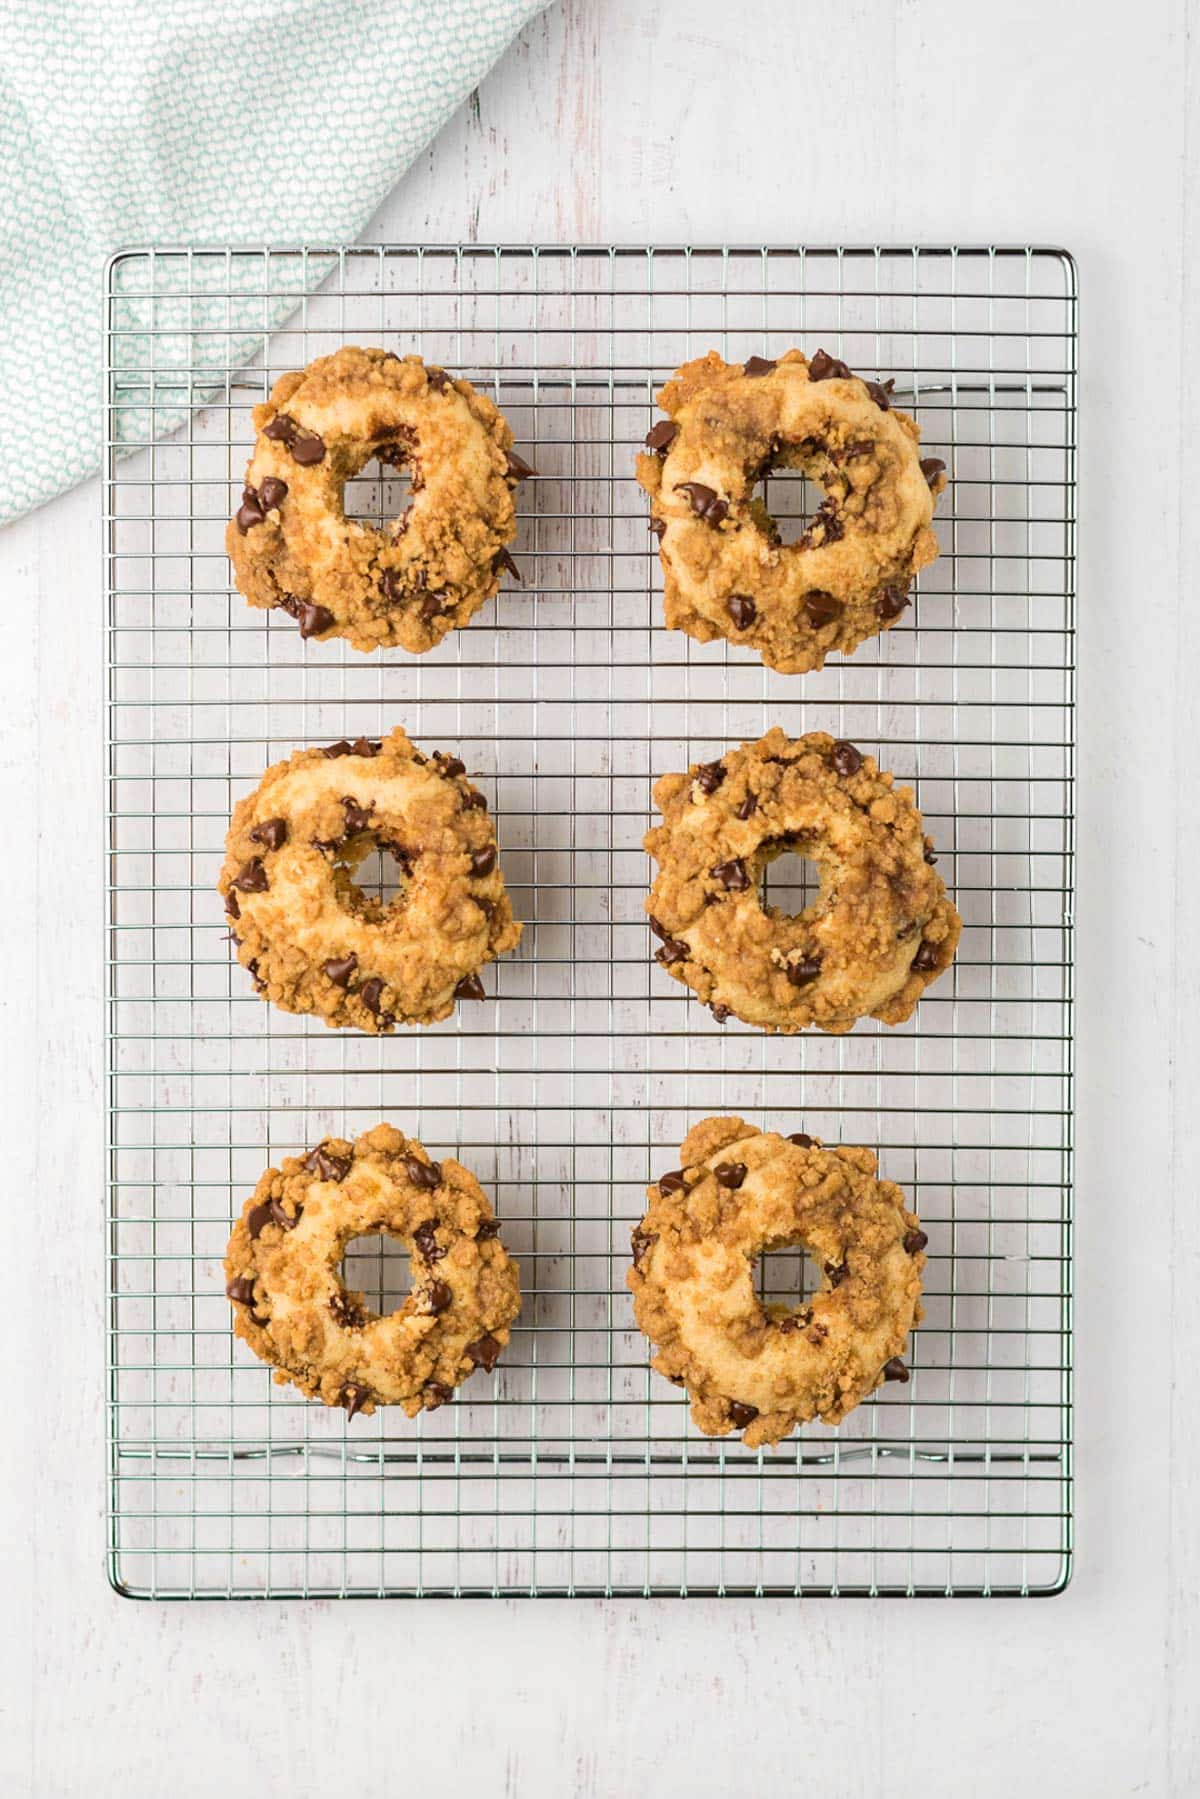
791 883
788 499
786 1276
381 877
378 1267
378 494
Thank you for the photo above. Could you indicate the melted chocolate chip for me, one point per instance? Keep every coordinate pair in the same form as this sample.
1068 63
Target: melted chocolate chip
926 959
484 1352
914 1242
706 503
755 366
881 393
426 1175
339 969
890 602
392 586
894 1369
671 952
312 619
742 610
505 561
817 1333
250 512
253 878
474 802
836 1273
804 972
241 1291
449 767
747 807
356 818
436 1394
732 875
660 437
490 1227
708 776
928 854
845 758
470 987
824 367
518 468
257 1218
864 447
932 467
232 909
658 528
353 1398
439 1297
827 519
642 1242
425 1238
741 1415
371 993
801 1139
272 833
438 379
346 1313
341 748
720 1013
306 446
675 1182
272 493
328 1167
730 1175
821 608
483 861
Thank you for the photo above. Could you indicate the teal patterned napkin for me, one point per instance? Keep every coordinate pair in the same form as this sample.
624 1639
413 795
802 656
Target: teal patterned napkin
201 122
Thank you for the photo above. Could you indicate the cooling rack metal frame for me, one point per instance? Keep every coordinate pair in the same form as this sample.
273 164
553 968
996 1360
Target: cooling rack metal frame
575 1470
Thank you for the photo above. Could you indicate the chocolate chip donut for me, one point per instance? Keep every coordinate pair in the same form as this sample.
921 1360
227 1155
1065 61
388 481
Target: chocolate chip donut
291 543
291 1307
726 572
310 937
880 929
764 1369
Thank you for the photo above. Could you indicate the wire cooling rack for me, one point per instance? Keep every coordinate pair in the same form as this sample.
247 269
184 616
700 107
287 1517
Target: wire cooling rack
575 1470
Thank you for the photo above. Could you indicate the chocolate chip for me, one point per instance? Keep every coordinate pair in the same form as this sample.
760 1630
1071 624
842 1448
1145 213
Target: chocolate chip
817 1333
272 493
926 959
484 1352
675 1182
449 767
642 1242
720 1013
801 1139
438 379
426 1175
658 528
306 446
928 854
864 447
241 1291
671 952
730 1175
708 776
755 366
742 610
439 1297
346 1312
804 972
706 503
836 1273
505 561
741 1415
392 586
932 467
489 1228
253 878
827 519
249 513
747 807
824 367
436 1394
660 437
432 606
881 392
341 748
821 608
329 1167
272 833
474 802
914 1242
890 603
894 1369
353 1398
312 619
845 758
232 909
732 875
340 968
470 987
425 1238
356 818
370 993
256 1218
518 467
483 861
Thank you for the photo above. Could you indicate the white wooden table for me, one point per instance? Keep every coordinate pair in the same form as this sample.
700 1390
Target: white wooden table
883 120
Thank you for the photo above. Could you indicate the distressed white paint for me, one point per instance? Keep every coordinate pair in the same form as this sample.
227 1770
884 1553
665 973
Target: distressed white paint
893 120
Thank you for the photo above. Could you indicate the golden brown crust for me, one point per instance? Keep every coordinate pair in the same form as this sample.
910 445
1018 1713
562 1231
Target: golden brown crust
289 1303
726 573
311 939
764 1370
291 544
879 931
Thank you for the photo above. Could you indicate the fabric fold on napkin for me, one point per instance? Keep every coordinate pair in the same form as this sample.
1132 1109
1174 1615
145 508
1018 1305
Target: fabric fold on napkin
197 123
